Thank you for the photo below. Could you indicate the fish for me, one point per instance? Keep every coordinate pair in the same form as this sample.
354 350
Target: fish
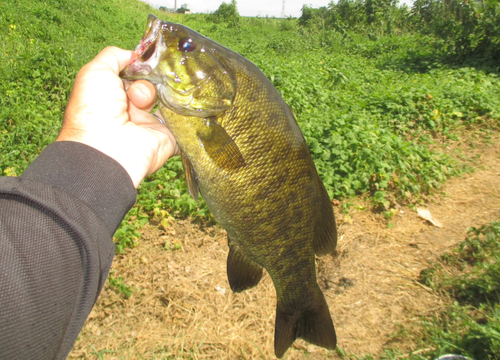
243 151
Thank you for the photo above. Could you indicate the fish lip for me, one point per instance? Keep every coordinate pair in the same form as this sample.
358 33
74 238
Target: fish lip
150 39
148 52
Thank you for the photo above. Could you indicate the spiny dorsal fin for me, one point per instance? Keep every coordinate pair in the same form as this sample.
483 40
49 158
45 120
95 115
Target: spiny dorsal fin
325 240
313 325
220 146
242 272
191 177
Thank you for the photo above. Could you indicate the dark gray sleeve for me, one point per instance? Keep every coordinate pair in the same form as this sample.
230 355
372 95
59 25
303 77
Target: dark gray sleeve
56 226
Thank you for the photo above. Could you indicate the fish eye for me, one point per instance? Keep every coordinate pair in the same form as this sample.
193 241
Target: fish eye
187 44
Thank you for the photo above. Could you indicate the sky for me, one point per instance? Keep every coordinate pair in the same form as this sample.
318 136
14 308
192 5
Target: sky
248 7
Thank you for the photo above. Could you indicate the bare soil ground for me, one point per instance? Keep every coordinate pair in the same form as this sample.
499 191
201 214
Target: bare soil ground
182 307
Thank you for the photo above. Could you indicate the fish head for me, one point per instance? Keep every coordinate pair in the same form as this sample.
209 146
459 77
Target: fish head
191 76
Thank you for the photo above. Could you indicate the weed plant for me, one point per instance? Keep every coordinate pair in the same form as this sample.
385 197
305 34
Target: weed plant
372 106
470 275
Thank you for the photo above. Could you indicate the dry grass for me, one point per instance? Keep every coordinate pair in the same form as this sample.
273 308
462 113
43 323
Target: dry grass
182 306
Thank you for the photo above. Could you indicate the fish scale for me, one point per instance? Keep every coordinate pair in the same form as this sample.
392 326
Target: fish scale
245 153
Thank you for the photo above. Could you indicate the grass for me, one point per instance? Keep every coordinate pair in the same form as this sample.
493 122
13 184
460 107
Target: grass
469 276
471 326
373 110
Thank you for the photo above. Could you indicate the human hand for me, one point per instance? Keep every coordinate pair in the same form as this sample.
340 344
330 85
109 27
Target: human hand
103 114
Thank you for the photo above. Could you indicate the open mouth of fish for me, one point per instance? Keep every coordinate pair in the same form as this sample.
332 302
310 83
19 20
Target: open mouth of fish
149 53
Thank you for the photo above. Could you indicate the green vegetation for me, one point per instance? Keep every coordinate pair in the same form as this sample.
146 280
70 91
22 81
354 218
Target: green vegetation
471 276
377 89
467 32
119 286
371 86
227 13
43 45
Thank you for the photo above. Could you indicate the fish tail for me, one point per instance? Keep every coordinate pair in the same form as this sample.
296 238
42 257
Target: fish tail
313 325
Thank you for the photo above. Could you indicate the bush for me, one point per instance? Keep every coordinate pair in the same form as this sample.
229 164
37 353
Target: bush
227 13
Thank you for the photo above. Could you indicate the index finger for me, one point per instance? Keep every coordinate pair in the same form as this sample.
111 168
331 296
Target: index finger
114 58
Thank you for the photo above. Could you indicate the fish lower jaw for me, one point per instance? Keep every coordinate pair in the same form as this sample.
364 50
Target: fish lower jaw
143 69
136 71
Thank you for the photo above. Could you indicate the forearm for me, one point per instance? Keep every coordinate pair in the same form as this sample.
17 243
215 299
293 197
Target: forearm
56 226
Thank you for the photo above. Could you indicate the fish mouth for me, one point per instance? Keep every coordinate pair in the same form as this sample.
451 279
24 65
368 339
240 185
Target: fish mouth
177 90
148 52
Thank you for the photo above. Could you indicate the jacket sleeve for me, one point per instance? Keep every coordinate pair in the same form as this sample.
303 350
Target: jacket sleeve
57 221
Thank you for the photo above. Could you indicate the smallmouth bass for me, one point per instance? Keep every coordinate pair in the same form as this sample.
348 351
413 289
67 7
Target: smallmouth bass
243 150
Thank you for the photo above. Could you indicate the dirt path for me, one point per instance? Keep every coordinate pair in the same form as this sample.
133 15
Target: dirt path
182 306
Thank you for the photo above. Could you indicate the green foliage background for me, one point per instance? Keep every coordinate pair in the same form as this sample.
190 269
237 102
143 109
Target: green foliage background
378 89
371 84
469 30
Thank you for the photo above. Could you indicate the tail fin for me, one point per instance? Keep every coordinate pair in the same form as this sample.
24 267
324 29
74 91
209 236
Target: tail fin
313 325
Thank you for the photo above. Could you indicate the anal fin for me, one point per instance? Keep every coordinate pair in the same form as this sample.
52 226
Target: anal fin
314 325
325 240
243 273
191 177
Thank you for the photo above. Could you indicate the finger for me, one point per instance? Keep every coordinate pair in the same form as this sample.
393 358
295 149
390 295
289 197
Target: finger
140 116
150 121
167 150
164 129
114 58
168 146
142 94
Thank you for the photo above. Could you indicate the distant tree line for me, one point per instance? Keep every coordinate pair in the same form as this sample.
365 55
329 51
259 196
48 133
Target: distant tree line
470 28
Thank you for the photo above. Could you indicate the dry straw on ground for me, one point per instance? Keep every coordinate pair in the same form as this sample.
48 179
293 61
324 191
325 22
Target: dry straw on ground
182 306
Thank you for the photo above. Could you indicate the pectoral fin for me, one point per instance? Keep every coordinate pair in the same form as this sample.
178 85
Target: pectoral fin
191 177
325 240
220 146
242 272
